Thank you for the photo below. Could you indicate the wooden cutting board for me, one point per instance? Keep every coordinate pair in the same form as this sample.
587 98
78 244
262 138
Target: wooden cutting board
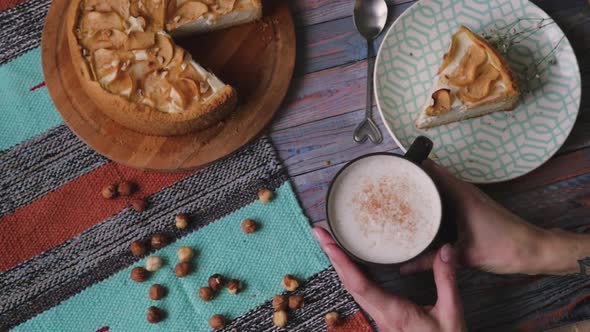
257 59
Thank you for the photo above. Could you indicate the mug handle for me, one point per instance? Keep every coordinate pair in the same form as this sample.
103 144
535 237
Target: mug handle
419 150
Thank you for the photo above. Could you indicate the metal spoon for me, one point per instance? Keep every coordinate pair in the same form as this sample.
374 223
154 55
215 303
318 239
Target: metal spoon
369 18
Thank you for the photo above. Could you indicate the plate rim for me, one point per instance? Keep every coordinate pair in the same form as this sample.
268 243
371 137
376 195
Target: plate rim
512 177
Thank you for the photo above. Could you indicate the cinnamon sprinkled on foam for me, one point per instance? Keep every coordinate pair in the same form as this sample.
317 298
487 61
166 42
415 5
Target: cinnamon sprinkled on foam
381 204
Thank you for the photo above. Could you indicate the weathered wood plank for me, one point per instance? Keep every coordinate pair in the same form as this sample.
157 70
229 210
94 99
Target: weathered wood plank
323 94
557 169
545 204
580 326
579 138
319 144
308 12
336 42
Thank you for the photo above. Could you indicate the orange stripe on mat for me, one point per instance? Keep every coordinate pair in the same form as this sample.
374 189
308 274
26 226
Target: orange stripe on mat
355 323
7 4
69 210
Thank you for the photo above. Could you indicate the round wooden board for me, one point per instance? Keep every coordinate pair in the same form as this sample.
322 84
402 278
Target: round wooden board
257 59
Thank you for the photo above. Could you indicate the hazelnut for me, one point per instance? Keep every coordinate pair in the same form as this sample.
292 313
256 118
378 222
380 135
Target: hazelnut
139 274
264 195
280 318
138 248
332 318
153 263
109 191
234 286
290 283
296 301
279 303
155 315
249 226
182 269
217 322
206 294
157 292
159 241
139 205
185 254
126 188
216 282
181 221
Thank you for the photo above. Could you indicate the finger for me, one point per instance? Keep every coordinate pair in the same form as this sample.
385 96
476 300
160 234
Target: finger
351 276
449 302
380 305
418 264
457 189
442 177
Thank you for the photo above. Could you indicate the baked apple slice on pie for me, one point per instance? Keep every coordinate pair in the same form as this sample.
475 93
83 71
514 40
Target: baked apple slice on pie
473 80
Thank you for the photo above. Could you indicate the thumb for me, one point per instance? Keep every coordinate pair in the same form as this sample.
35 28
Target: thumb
448 304
380 305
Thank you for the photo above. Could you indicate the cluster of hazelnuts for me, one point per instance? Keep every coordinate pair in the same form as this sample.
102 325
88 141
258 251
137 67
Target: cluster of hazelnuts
185 254
281 302
124 189
216 283
154 263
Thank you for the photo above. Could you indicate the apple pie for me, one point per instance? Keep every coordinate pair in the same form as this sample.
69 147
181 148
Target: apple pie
130 66
473 80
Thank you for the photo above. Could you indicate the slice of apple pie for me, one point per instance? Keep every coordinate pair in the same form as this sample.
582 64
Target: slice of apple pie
473 80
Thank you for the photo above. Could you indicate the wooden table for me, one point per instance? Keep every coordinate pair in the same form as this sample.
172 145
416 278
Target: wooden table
313 135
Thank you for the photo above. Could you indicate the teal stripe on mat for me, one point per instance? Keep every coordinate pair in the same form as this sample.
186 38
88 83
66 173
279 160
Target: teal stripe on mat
24 113
282 245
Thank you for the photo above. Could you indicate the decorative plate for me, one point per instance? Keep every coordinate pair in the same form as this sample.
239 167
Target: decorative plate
499 146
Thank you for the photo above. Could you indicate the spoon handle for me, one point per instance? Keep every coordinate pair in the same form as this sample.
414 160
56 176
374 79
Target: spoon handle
370 67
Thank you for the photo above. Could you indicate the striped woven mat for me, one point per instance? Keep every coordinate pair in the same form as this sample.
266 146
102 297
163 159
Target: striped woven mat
64 250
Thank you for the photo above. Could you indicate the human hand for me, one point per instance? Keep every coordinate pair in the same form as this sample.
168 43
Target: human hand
494 239
391 312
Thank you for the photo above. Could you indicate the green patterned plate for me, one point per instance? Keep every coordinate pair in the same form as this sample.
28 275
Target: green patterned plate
496 147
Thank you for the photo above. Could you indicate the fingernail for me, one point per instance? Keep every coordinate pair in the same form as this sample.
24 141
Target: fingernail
447 253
